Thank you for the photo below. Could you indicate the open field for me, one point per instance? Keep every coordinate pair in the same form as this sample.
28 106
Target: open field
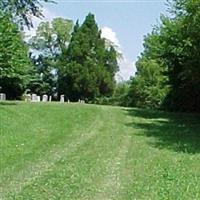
76 151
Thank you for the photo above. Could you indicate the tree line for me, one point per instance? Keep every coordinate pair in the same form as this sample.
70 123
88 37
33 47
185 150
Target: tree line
62 58
73 59
168 70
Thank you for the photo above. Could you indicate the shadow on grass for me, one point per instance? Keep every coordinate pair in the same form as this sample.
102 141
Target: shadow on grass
175 131
7 103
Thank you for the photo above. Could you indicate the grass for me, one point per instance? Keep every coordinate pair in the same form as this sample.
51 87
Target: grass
73 151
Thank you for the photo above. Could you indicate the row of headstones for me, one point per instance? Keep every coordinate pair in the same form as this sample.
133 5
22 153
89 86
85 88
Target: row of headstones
36 98
2 96
81 101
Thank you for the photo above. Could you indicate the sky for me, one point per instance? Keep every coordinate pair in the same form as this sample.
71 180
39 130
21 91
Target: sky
123 22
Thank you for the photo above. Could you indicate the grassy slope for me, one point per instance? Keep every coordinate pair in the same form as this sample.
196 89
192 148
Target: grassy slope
72 151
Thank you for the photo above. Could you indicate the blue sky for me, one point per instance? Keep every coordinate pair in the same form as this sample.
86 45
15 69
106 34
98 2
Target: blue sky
125 22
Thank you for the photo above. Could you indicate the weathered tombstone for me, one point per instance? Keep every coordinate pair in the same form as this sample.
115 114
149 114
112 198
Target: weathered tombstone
27 97
44 98
68 101
82 101
50 97
79 101
38 99
2 96
34 98
62 98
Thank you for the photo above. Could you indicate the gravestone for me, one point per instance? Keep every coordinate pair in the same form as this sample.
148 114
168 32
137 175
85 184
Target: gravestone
44 98
62 98
2 96
34 98
38 99
50 97
68 101
81 101
27 97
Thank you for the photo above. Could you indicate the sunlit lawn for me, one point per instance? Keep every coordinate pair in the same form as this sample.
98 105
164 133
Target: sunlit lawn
79 151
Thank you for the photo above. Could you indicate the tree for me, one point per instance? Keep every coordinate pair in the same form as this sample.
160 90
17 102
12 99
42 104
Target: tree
148 88
174 48
52 38
42 78
22 10
50 43
90 67
182 56
14 61
150 85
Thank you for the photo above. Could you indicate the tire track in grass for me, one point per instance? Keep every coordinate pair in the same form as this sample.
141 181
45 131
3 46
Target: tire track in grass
111 184
91 156
106 150
30 173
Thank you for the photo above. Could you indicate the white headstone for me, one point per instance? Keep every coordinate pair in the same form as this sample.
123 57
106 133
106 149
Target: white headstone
62 98
68 101
44 98
50 97
34 98
38 99
81 101
27 97
2 96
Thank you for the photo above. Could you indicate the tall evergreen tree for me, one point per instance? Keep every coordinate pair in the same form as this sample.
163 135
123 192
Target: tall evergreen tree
90 68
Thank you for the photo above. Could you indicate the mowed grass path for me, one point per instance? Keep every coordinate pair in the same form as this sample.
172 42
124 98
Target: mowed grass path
87 152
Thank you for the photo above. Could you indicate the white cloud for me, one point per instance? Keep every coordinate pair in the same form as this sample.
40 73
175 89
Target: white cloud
127 67
108 33
48 15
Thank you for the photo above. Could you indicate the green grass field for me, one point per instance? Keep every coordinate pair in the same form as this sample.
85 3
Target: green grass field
72 151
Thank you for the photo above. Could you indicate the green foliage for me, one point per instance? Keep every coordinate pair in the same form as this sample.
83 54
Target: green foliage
120 96
182 57
88 72
14 62
148 88
84 67
168 69
52 38
22 10
42 78
50 45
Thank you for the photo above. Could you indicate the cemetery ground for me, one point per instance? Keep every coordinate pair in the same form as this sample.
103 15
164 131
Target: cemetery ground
78 151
